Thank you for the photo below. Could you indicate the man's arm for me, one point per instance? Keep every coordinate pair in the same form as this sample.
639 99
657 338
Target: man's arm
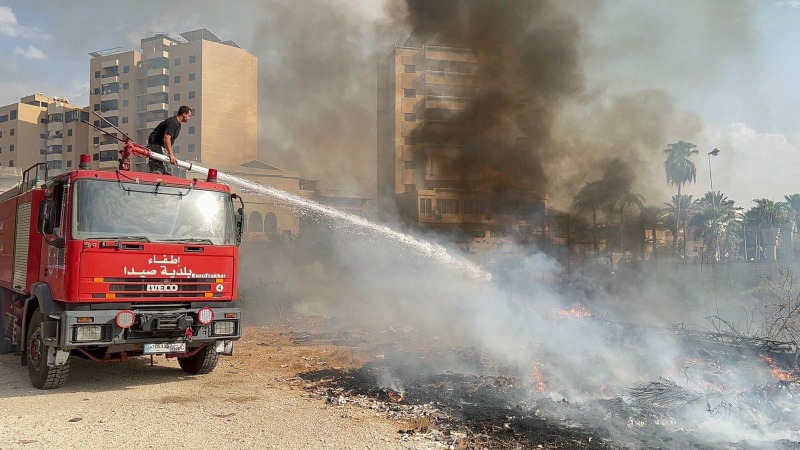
168 146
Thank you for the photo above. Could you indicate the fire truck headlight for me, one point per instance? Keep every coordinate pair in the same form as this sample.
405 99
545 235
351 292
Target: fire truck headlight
224 328
88 333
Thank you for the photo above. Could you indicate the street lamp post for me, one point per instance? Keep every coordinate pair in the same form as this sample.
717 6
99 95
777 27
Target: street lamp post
714 152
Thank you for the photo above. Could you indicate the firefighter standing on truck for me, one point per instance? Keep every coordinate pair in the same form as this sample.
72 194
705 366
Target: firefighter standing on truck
163 138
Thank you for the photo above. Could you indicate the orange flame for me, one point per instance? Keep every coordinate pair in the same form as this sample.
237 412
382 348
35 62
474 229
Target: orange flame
395 396
576 312
777 372
536 374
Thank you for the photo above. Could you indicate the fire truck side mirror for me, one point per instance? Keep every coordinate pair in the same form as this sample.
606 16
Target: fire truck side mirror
239 225
46 224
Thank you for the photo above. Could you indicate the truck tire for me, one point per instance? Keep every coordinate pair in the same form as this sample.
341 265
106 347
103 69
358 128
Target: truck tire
200 363
41 376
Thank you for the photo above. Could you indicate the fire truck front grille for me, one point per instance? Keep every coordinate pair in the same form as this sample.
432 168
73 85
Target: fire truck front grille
159 288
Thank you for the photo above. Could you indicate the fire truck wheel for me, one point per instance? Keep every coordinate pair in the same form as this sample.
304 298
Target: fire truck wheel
200 363
42 377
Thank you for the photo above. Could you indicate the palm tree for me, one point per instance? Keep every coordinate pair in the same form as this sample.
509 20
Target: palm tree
653 218
592 198
624 200
715 222
771 213
688 205
680 170
794 202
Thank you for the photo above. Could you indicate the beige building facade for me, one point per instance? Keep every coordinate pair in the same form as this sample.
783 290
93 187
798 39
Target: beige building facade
433 170
136 90
42 129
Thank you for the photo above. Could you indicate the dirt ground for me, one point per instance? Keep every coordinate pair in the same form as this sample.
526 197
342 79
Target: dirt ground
252 400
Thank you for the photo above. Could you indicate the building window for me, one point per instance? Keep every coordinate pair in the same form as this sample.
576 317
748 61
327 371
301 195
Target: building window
409 68
1 134
11 163
126 69
176 97
69 148
191 130
11 132
43 135
96 91
96 157
97 74
125 119
97 123
69 164
425 206
191 148
176 149
11 148
474 207
177 79
69 132
4 118
97 106
447 205
191 77
409 117
409 93
12 115
177 62
43 121
192 59
96 140
191 95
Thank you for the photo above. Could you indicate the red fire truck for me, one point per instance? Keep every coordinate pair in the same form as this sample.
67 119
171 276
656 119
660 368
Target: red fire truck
108 265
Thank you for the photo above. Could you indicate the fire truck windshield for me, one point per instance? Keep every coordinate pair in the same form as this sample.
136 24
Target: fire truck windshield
156 213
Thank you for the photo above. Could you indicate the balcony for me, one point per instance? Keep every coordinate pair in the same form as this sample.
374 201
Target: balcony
109 63
54 156
108 146
53 127
110 77
109 112
157 71
439 77
51 150
442 102
443 150
158 89
55 140
157 107
455 132
109 95
458 54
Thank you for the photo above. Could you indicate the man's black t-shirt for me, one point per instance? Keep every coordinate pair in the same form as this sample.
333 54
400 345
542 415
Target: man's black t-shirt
170 126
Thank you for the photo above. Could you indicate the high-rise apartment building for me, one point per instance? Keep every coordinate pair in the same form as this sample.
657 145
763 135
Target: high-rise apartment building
42 129
136 90
436 164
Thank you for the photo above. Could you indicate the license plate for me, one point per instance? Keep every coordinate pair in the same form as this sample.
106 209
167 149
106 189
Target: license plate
178 347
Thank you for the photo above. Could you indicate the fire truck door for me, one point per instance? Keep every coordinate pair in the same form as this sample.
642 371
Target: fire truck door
53 273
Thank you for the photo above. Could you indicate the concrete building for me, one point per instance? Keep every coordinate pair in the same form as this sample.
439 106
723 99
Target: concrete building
42 129
433 169
136 90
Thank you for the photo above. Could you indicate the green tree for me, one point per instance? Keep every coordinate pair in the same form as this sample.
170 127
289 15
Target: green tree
770 213
591 198
714 220
680 209
653 218
794 203
680 170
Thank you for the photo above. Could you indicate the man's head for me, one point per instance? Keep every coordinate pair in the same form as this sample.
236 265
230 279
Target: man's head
184 114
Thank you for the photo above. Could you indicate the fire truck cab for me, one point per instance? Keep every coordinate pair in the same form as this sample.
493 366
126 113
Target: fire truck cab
107 265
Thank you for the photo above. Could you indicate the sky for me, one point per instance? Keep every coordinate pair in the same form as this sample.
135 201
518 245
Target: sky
733 65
